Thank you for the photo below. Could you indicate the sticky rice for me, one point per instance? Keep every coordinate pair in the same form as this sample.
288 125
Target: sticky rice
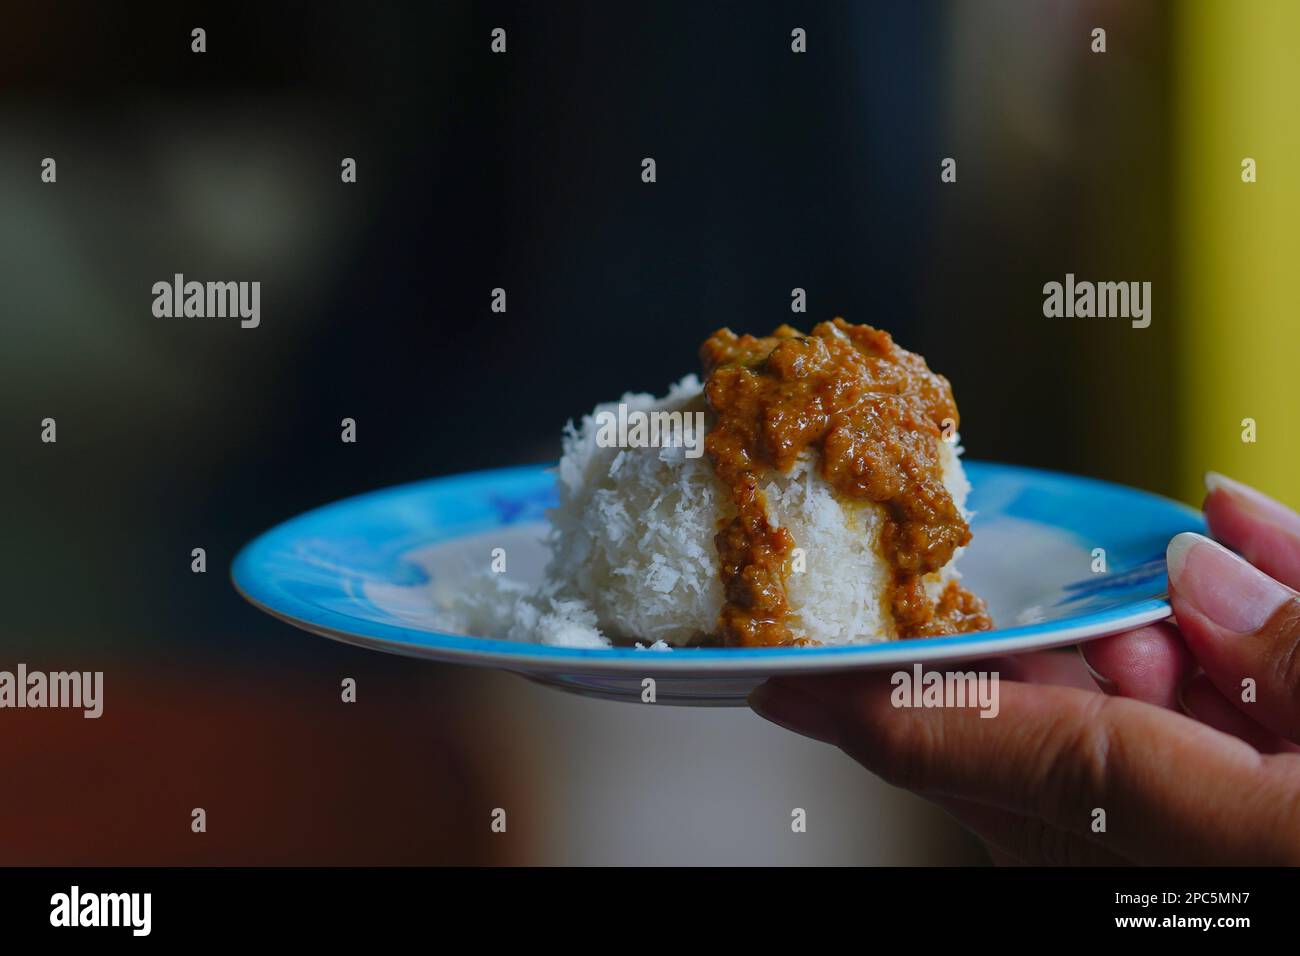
633 558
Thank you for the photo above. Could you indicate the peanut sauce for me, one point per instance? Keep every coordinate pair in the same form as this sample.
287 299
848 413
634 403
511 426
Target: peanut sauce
875 413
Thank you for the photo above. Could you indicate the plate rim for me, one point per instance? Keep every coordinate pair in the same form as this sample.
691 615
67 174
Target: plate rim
713 662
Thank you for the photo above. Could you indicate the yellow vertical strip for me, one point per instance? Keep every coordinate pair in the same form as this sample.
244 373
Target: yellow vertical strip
1237 309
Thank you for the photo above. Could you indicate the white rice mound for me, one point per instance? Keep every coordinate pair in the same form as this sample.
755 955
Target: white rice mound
633 556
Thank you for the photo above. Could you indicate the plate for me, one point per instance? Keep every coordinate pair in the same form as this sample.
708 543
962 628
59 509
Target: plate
1059 559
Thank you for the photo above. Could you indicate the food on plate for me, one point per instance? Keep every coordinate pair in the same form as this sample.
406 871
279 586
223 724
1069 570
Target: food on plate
824 505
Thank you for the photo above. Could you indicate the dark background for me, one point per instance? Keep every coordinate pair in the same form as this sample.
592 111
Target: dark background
522 171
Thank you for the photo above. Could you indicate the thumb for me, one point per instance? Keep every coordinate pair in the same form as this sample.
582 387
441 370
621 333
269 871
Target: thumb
1243 628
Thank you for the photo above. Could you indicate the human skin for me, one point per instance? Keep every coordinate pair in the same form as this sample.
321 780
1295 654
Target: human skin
1155 728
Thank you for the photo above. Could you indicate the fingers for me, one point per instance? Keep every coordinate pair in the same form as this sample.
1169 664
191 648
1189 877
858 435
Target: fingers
788 705
1171 790
1060 666
1264 531
1016 839
1201 700
1154 665
1242 626
1149 664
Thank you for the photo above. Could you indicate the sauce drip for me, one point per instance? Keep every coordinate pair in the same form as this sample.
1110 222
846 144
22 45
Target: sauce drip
875 413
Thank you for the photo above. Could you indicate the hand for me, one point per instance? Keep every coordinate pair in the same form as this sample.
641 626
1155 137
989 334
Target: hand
1186 765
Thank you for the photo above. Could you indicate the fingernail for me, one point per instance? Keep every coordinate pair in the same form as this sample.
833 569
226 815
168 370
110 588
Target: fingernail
1217 482
1249 497
1223 587
1106 685
794 711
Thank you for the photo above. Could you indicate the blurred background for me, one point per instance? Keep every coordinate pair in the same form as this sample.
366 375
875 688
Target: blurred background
522 171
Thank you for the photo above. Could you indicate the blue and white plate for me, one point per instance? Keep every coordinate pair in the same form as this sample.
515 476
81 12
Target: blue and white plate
362 571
